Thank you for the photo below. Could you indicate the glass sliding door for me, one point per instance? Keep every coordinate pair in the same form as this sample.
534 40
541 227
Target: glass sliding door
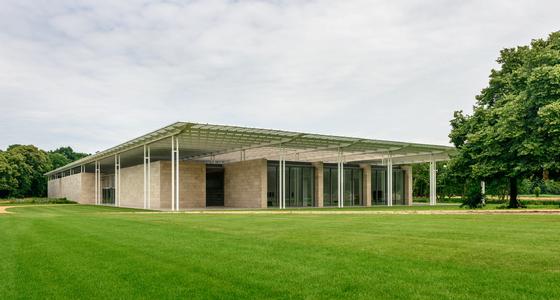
308 186
330 186
299 185
357 187
353 186
108 189
398 186
378 186
272 186
293 187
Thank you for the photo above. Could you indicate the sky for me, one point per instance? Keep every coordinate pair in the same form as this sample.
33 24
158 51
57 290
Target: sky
93 74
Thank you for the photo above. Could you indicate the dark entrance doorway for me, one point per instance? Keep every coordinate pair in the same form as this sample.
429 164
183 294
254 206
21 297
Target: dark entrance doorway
214 185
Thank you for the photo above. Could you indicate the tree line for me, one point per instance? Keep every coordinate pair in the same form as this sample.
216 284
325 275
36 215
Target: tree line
22 169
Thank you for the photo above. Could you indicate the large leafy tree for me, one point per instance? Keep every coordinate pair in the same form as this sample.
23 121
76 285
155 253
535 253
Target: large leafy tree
8 181
514 130
22 169
30 165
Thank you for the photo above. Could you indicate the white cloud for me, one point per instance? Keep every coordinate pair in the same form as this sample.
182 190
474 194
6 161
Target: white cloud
93 74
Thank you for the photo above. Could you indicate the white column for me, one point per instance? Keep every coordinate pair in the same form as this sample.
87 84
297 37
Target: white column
340 173
149 161
389 180
338 198
177 164
433 180
117 179
280 189
147 181
172 173
283 179
96 183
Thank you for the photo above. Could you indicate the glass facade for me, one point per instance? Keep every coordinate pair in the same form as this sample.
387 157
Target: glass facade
108 189
379 186
330 186
398 187
299 185
353 186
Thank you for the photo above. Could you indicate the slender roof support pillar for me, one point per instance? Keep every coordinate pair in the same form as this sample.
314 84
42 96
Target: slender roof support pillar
117 179
96 183
340 179
282 180
177 163
389 180
433 182
174 173
147 177
149 163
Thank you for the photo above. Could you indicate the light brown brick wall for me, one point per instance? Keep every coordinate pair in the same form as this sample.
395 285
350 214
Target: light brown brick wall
192 185
408 184
87 188
164 185
78 187
245 184
132 187
318 184
192 193
155 183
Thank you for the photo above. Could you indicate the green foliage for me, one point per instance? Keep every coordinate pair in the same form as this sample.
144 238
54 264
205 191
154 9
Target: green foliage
69 153
551 187
514 130
40 200
22 169
537 191
30 165
58 160
474 198
448 185
8 181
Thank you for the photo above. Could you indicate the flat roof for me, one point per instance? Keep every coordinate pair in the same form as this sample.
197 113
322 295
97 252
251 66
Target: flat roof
222 144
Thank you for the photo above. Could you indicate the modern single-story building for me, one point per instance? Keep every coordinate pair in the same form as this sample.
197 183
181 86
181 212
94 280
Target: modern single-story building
191 166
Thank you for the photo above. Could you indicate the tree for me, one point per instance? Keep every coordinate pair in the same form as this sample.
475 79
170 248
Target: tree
58 160
69 153
30 165
513 131
8 181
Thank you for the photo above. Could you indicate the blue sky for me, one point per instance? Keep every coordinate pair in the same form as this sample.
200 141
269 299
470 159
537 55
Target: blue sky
91 74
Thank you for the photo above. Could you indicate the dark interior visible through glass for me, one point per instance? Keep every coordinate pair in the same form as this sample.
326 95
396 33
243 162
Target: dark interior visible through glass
379 186
299 184
353 185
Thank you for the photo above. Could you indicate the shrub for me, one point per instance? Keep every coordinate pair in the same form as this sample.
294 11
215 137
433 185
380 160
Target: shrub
474 199
36 200
537 191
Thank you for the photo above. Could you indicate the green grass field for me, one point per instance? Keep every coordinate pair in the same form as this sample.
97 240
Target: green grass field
71 251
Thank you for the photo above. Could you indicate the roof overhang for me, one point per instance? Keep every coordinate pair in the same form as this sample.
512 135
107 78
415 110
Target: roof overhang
220 143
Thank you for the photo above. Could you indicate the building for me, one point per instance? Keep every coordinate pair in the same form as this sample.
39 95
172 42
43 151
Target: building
190 166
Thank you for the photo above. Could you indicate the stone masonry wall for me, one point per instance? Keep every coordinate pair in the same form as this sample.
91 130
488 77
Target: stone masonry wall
245 184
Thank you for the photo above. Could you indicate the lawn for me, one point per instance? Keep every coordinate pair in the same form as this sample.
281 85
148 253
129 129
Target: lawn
73 251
